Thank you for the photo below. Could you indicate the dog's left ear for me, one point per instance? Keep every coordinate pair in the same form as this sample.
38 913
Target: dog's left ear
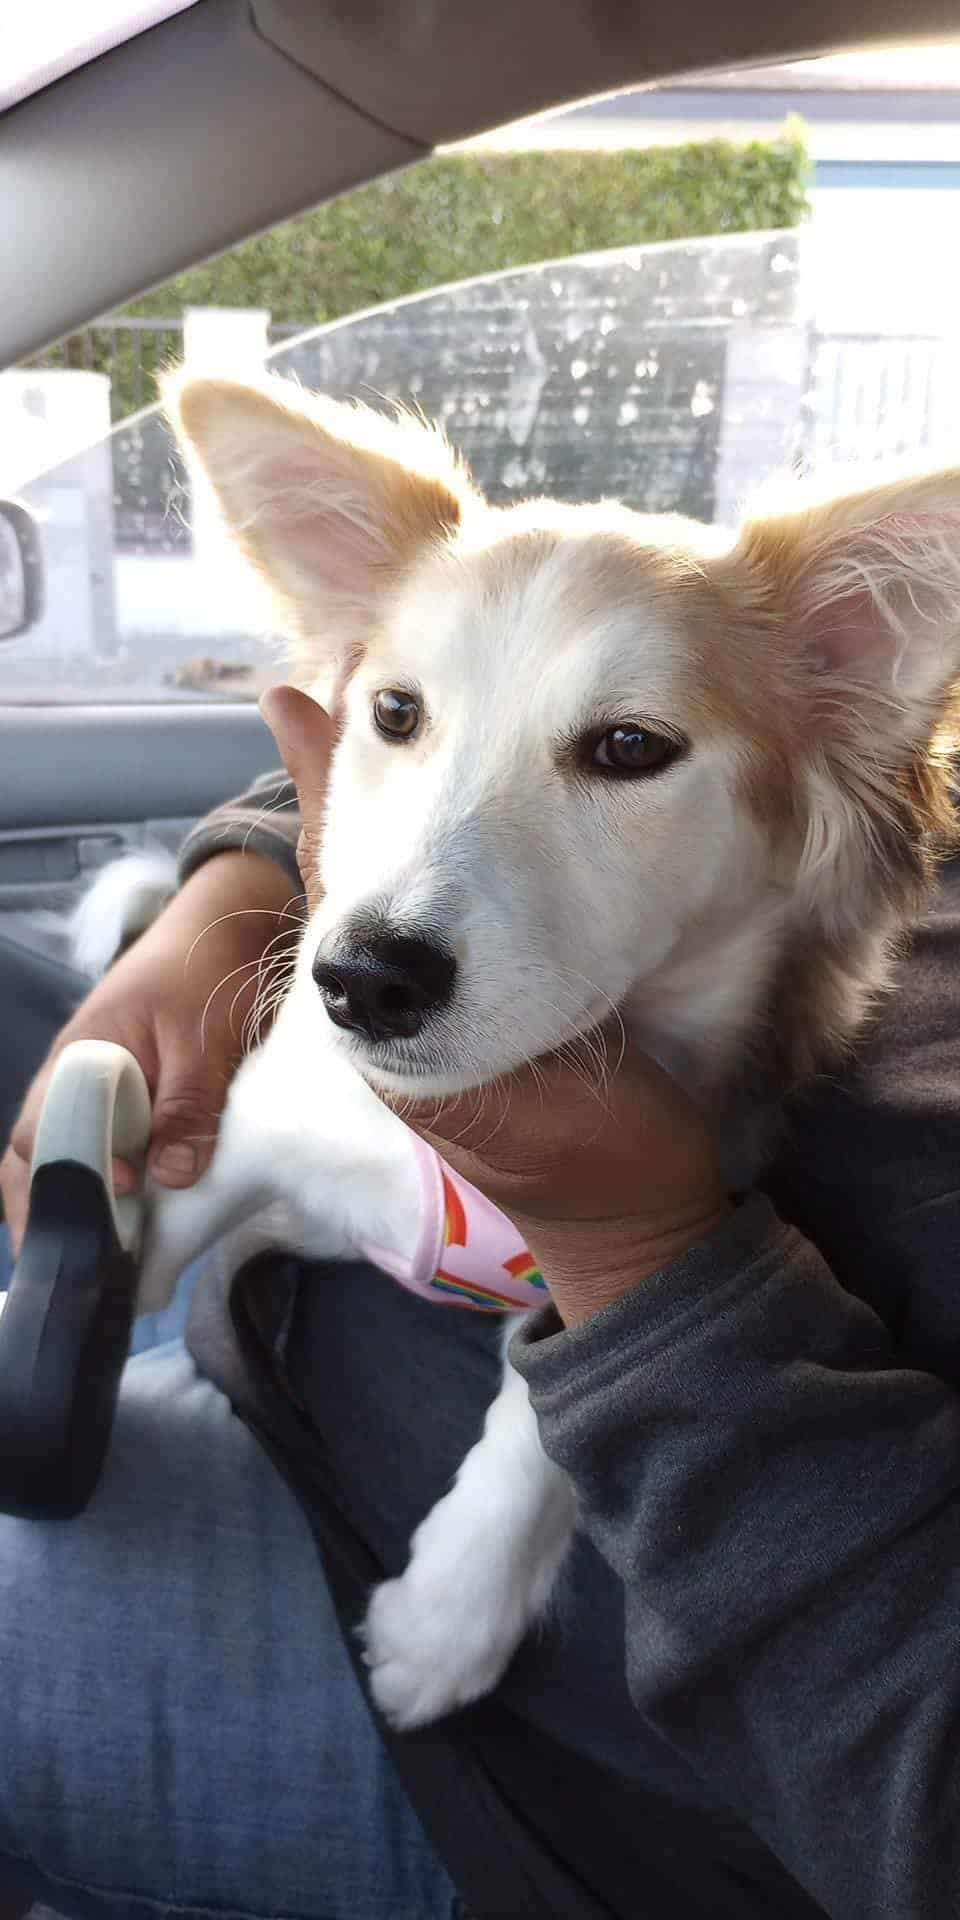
331 503
868 590
864 594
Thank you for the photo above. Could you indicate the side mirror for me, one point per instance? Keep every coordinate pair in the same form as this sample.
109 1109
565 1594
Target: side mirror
21 570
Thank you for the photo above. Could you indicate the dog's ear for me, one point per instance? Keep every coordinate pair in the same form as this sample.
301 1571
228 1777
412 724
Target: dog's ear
865 592
868 588
330 502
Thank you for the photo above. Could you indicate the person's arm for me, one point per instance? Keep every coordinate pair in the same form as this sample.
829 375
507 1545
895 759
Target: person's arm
776 1486
264 819
179 998
781 1500
767 1446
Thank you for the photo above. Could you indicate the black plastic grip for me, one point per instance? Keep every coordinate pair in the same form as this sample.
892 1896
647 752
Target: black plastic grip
64 1339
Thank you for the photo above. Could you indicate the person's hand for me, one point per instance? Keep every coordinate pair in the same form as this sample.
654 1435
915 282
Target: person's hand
609 1177
178 1000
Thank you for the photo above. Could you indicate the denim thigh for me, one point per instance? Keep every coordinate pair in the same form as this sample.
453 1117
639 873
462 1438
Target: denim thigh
180 1724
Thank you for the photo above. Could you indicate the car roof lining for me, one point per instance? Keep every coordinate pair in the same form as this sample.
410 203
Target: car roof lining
239 113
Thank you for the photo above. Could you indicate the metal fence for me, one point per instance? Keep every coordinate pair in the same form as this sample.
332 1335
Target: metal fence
871 394
876 396
868 396
132 352
150 510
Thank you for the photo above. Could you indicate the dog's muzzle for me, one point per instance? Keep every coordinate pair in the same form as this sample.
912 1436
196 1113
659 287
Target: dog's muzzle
385 986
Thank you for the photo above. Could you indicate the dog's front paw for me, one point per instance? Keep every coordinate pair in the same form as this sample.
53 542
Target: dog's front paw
431 1648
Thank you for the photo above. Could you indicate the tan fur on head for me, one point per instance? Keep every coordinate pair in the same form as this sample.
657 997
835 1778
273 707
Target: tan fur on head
860 596
744 904
867 588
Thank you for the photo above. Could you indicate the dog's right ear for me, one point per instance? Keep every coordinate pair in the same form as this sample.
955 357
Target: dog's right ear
331 503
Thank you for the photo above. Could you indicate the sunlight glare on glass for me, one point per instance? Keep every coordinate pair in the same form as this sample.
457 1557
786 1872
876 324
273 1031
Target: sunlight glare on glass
48 38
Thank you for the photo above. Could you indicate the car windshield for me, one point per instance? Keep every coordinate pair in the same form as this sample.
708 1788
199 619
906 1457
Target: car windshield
671 376
676 377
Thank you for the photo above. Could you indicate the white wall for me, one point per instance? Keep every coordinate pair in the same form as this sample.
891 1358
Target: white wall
201 597
58 421
54 443
884 259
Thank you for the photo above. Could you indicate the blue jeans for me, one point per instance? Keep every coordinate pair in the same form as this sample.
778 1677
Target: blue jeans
180 1725
152 1329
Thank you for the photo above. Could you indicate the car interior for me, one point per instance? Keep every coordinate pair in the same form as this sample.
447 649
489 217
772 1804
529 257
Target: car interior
172 145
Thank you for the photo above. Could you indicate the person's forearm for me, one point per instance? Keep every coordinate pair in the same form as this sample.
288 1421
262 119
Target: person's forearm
235 911
185 998
782 1503
250 888
265 820
588 1266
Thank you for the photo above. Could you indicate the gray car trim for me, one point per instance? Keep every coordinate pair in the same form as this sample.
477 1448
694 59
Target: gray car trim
79 765
164 151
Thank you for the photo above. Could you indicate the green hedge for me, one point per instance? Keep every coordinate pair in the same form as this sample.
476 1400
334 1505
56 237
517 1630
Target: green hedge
450 218
462 214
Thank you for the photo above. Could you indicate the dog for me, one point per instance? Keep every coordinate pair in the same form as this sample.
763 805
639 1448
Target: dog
590 762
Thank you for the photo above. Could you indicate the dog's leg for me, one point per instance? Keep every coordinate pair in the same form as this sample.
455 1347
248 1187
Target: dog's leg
481 1570
307 1158
183 1222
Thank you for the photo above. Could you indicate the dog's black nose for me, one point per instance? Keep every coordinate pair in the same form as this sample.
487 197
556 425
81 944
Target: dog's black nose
385 986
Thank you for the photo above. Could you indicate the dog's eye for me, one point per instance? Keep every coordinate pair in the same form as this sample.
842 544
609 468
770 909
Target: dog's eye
631 748
396 715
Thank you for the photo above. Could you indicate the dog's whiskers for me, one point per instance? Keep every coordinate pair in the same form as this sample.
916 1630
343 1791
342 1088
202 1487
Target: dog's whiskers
274 977
585 1050
240 913
591 1042
248 967
263 1004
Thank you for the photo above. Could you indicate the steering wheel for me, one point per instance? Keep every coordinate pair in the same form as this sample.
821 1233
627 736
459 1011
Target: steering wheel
66 1322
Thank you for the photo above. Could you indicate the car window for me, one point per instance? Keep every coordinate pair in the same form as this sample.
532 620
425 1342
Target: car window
675 376
672 376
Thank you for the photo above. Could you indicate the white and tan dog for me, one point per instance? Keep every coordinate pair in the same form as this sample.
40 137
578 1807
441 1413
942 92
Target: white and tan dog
589 761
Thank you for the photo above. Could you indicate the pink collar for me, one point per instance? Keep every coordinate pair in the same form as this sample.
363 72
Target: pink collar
470 1254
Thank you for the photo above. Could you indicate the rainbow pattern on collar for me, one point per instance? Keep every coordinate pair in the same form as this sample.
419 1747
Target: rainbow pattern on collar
520 1268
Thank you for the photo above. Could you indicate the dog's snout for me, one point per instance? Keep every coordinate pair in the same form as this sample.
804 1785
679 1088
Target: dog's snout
386 985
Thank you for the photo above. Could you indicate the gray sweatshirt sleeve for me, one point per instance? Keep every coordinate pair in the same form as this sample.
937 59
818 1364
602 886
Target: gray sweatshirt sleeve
265 819
780 1496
